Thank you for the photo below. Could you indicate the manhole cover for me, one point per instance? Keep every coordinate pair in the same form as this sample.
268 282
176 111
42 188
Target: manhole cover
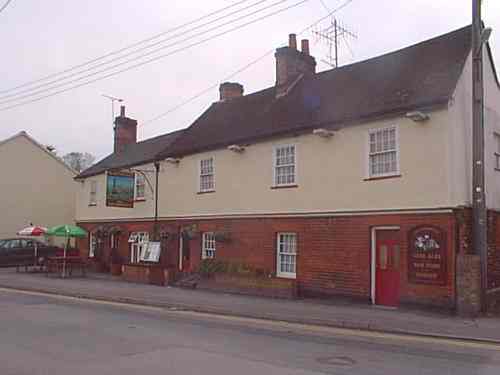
337 360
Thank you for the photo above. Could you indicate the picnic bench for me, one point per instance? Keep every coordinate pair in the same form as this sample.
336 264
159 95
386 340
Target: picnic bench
66 265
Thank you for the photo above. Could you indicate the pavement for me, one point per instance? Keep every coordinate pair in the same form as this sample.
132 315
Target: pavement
304 311
46 334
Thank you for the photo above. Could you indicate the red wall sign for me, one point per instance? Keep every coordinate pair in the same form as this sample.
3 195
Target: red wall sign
427 256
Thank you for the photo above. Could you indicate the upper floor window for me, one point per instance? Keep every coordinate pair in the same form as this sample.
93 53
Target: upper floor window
207 176
285 170
140 186
208 245
383 156
497 151
93 193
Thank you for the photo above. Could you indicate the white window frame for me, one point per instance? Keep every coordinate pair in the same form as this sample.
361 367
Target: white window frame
93 193
496 153
369 173
200 175
139 244
208 246
137 197
279 272
295 165
92 244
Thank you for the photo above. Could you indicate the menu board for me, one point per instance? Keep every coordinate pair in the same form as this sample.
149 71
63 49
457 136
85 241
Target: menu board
427 256
152 252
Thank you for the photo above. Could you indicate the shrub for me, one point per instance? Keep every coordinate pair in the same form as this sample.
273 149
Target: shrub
209 267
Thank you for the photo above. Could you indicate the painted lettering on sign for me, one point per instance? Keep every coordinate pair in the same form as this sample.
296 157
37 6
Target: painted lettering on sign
427 256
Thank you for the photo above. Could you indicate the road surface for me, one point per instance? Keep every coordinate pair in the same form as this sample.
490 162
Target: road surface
41 334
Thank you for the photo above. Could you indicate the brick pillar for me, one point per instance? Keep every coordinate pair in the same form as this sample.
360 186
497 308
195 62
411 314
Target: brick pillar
468 285
468 267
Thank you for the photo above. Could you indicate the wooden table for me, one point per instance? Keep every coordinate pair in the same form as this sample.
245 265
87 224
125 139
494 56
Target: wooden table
65 265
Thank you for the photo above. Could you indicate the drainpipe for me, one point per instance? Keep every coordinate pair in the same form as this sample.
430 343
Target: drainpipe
155 226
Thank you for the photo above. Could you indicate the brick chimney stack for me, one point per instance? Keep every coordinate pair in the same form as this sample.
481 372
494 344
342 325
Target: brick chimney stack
291 63
125 131
230 90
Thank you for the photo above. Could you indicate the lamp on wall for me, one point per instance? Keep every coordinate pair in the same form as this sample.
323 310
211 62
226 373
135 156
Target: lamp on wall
173 160
418 116
236 148
323 133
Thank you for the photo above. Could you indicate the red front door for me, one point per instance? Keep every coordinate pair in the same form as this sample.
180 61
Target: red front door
387 269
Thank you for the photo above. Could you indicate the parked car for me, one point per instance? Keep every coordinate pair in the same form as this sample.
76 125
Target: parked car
21 252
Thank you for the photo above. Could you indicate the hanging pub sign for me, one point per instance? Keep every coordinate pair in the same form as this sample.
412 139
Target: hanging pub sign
427 256
120 189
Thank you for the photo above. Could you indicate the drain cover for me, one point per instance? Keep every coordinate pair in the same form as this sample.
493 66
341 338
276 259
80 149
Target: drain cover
337 360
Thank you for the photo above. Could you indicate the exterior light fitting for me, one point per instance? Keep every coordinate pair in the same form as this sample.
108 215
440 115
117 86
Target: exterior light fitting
323 133
418 116
172 160
236 148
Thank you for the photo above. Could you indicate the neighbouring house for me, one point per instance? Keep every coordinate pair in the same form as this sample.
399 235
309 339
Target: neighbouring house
353 182
37 187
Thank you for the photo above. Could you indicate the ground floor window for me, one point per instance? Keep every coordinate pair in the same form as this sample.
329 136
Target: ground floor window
138 244
92 245
286 255
208 245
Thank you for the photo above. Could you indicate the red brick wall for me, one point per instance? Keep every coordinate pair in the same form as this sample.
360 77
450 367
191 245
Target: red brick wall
333 253
493 250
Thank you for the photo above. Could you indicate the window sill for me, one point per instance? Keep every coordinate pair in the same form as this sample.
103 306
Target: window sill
382 177
206 192
288 277
140 200
284 186
92 204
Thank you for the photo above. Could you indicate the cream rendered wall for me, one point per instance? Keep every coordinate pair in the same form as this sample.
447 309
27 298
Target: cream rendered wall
491 126
331 175
34 187
142 209
460 146
461 137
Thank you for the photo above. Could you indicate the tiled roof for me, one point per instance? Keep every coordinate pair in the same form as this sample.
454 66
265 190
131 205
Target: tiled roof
134 154
420 76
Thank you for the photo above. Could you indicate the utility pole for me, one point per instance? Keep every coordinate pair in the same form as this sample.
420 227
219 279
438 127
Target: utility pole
330 36
479 210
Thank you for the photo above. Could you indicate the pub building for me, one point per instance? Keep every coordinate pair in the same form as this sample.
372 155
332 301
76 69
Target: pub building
347 183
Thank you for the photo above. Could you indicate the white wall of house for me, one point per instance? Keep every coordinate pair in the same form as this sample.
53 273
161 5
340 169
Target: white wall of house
331 175
35 187
460 148
492 134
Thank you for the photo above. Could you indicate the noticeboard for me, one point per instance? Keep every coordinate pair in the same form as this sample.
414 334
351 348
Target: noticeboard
427 256
152 252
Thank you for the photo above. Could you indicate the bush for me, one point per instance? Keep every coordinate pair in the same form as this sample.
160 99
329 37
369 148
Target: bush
209 267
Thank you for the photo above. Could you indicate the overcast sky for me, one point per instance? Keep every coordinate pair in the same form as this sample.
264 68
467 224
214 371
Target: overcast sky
40 38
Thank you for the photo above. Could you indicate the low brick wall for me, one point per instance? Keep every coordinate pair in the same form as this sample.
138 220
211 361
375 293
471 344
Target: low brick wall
147 274
256 286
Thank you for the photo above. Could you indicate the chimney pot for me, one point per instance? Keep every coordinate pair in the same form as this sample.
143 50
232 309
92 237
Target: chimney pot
292 41
230 90
122 111
305 46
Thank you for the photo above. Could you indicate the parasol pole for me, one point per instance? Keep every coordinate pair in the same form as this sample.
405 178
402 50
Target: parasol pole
36 254
64 260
